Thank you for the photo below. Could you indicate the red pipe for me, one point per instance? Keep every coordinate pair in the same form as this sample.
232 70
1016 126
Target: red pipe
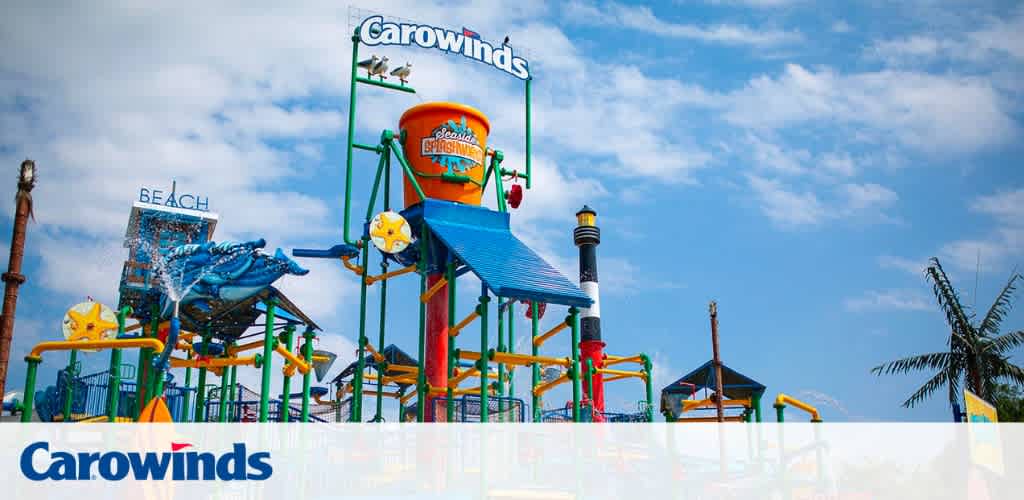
436 363
594 351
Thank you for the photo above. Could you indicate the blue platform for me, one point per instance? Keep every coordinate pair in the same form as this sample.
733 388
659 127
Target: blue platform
483 241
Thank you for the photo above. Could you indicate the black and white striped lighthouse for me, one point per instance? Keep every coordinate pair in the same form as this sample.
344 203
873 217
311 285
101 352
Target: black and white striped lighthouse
587 236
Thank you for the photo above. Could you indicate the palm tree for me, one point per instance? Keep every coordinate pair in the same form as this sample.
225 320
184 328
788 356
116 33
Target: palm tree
977 353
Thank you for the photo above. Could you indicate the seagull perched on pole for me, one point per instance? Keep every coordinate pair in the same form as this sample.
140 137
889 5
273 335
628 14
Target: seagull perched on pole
380 68
368 64
402 72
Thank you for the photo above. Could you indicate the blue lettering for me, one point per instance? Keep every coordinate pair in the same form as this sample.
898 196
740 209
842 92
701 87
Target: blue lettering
152 466
156 196
85 461
208 462
178 471
234 460
144 195
63 466
187 204
202 203
26 460
114 466
259 461
171 201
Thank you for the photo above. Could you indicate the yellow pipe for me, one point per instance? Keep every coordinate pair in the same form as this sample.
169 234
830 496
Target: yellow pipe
292 358
547 386
614 378
624 373
614 360
550 333
378 357
213 362
320 359
736 418
244 347
516 358
430 293
352 267
388 275
454 331
405 399
455 381
707 403
65 345
404 368
782 400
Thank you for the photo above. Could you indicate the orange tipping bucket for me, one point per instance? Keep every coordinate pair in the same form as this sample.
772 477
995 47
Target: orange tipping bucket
445 144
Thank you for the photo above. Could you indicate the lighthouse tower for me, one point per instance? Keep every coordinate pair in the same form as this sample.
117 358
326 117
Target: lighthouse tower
587 236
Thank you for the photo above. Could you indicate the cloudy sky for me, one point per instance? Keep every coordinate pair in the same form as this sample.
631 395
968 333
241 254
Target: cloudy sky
796 161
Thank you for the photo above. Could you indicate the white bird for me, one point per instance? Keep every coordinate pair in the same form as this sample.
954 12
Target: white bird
368 64
380 68
402 72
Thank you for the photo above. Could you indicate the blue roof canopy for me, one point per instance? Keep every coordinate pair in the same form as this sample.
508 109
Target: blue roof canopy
483 240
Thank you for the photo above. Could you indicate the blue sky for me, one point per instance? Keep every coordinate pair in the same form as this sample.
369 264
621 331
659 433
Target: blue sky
796 161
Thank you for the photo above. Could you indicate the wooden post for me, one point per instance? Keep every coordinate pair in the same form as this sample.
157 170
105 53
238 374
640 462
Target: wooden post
713 309
13 278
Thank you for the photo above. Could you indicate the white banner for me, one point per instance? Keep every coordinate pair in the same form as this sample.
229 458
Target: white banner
557 461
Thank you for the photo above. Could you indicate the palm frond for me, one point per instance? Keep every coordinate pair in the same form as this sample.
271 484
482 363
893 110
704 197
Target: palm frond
927 389
1005 342
1011 371
996 313
949 301
934 361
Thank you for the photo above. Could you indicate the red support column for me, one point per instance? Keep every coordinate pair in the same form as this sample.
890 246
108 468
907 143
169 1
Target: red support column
594 351
436 363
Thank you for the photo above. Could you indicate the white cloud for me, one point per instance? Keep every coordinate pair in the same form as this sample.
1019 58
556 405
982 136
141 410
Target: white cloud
888 300
785 207
910 266
1001 247
994 42
864 196
841 26
932 114
642 18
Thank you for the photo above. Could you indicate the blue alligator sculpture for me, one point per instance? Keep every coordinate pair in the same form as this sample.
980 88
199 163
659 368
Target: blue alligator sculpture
228 272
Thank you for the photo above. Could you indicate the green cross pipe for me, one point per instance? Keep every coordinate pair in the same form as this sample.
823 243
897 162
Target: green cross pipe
780 412
268 351
286 384
185 396
27 406
114 386
649 386
511 347
307 354
501 348
421 378
231 393
222 406
482 310
356 409
379 417
200 413
69 374
575 370
535 327
351 139
152 374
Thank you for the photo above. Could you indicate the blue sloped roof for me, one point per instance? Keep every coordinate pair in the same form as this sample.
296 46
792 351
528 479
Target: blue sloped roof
482 239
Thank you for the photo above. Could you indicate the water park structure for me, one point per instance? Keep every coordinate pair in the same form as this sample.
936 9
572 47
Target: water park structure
209 308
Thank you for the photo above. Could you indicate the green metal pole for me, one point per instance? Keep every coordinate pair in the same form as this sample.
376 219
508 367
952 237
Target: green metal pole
757 409
450 406
501 348
484 365
232 385
589 375
222 406
114 385
69 374
575 325
356 412
649 385
378 416
200 413
185 394
286 384
529 149
511 347
28 406
780 412
535 331
268 351
307 354
151 378
351 138
421 378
